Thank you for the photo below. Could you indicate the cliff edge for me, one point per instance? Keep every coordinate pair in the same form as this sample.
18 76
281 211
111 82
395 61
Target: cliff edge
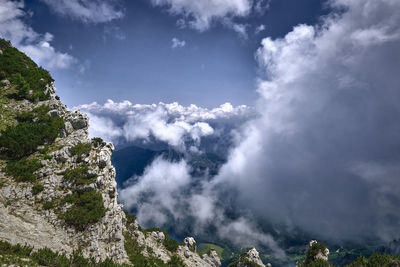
57 187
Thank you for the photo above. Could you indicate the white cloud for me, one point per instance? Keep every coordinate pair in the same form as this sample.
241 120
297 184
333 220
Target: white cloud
169 123
322 154
259 29
176 43
201 14
239 28
162 179
22 36
161 192
93 11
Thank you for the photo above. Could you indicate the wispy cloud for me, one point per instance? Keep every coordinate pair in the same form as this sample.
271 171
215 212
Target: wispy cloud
94 11
201 14
259 29
176 43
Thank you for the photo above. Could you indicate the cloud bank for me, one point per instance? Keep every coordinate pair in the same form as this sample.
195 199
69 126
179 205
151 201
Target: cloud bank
89 11
323 156
38 46
173 124
166 192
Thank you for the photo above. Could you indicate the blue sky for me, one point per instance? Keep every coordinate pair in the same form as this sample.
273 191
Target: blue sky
130 56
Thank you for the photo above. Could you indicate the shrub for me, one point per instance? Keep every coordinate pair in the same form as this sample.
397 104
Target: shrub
23 139
48 205
78 260
23 170
47 257
312 252
25 116
37 188
170 244
81 149
18 250
129 218
376 259
88 208
23 73
80 175
134 252
175 261
241 260
97 141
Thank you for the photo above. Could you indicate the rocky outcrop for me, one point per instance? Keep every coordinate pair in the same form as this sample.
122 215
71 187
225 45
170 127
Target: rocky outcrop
25 220
253 256
249 259
321 253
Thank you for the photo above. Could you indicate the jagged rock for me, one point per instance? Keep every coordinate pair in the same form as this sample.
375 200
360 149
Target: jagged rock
78 120
253 256
6 83
212 258
190 243
62 155
159 236
250 258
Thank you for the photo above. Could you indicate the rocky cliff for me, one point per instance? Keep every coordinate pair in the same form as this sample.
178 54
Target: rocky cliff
57 186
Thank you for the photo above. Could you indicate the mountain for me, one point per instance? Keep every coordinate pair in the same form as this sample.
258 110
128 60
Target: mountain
58 194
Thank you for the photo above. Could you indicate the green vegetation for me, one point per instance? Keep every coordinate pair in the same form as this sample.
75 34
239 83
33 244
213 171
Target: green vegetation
169 243
23 170
47 257
311 260
97 141
205 248
80 150
88 208
242 260
130 218
136 257
18 255
24 138
134 252
37 188
175 261
80 175
376 259
29 80
49 205
17 250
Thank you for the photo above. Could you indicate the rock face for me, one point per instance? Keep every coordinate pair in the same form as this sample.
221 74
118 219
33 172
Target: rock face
253 256
24 220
